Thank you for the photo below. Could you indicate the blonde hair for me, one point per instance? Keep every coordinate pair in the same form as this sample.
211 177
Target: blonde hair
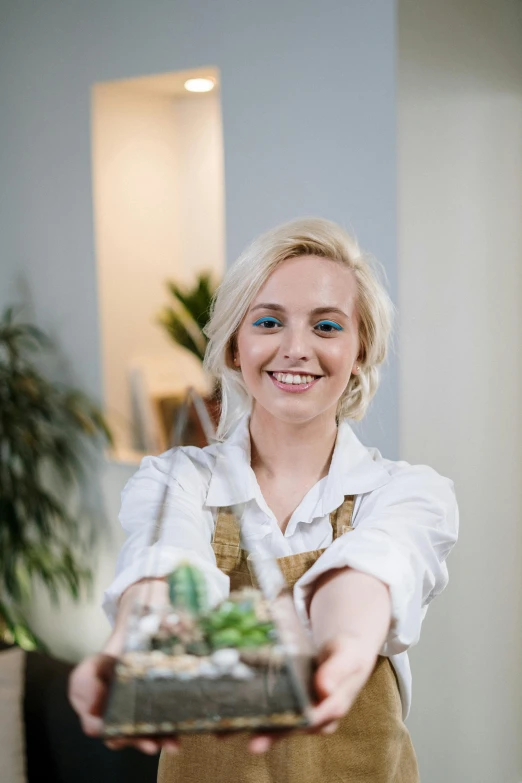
241 284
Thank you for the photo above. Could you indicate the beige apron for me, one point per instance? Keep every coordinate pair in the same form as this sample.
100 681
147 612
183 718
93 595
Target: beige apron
371 745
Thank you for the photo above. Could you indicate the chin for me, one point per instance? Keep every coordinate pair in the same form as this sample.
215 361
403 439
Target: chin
293 414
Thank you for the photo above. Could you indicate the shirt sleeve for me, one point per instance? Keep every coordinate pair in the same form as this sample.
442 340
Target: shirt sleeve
186 532
403 533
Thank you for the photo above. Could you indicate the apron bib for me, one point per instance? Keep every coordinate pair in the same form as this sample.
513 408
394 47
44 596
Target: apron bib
372 743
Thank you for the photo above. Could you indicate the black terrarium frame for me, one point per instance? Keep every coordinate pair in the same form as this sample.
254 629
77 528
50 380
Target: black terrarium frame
186 667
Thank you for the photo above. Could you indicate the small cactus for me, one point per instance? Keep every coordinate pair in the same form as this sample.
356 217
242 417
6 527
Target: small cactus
188 589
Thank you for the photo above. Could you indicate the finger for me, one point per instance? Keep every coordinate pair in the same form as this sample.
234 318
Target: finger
329 728
116 744
259 744
120 742
331 709
265 741
87 689
171 746
91 725
105 668
148 746
145 745
333 674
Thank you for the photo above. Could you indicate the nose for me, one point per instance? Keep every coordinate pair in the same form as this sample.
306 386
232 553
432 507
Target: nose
296 344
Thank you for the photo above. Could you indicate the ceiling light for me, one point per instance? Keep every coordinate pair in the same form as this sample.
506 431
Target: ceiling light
199 85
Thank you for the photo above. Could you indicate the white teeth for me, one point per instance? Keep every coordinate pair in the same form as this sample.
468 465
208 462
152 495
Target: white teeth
284 377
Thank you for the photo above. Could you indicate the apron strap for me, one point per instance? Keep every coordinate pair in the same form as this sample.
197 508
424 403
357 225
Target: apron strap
227 532
226 540
341 518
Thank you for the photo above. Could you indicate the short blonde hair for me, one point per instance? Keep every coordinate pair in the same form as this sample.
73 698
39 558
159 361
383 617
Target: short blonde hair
241 284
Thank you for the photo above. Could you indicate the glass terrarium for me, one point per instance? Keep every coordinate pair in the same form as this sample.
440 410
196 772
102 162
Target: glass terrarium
244 664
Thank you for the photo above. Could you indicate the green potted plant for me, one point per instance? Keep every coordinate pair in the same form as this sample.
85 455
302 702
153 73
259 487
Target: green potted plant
47 432
184 322
185 319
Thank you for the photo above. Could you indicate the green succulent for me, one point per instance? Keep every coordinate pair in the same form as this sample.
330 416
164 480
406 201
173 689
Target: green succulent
232 624
236 625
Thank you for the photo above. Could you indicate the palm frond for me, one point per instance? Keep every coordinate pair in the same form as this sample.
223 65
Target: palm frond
46 432
185 319
14 629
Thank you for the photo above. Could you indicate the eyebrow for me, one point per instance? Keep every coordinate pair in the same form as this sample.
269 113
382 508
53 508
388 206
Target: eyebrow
280 309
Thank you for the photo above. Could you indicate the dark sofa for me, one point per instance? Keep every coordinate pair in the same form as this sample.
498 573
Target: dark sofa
57 750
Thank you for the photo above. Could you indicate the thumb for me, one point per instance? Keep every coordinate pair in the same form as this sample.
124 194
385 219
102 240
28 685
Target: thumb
334 667
88 685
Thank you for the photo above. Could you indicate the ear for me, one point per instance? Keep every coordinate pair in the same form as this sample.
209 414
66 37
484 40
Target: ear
356 369
232 353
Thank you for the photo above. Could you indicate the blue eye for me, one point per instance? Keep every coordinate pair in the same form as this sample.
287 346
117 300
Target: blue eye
267 321
330 326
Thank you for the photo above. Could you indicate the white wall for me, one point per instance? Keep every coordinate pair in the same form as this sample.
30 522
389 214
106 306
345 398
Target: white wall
308 99
460 283
158 207
201 182
136 210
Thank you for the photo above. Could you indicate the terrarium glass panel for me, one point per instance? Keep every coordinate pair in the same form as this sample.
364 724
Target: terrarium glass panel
243 664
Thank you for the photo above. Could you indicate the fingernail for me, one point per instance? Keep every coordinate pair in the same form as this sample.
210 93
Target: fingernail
330 729
260 745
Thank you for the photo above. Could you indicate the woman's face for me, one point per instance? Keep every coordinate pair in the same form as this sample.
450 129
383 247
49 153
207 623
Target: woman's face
298 343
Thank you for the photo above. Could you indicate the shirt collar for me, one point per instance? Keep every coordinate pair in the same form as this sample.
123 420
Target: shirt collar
354 470
233 480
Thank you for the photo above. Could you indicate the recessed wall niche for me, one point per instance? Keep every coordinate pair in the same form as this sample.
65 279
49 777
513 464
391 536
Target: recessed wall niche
158 185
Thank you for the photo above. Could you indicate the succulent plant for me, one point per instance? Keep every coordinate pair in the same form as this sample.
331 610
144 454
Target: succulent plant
237 625
240 621
188 589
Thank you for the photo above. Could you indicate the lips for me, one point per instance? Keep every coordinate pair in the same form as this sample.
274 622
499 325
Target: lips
301 373
293 387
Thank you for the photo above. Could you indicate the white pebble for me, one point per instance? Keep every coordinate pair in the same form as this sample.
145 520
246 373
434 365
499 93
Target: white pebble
150 624
242 672
207 669
225 659
136 641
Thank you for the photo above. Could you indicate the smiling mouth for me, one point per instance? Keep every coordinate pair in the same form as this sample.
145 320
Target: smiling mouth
297 379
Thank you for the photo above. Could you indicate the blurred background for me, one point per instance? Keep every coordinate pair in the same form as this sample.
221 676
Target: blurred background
124 196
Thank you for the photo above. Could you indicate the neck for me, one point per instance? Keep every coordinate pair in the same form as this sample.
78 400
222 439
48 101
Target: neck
282 449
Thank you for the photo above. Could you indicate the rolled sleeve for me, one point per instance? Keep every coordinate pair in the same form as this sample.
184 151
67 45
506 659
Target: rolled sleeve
186 532
403 533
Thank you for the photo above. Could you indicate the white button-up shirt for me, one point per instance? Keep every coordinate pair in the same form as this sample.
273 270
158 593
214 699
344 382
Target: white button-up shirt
405 523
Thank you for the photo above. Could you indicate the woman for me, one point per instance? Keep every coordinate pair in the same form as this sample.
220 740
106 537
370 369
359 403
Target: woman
298 331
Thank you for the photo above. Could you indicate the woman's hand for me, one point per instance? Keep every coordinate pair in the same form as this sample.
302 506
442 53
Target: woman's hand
345 664
89 681
88 690
350 615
